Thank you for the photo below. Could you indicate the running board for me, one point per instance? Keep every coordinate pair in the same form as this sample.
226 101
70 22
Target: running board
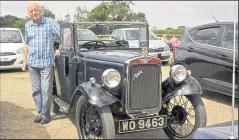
63 105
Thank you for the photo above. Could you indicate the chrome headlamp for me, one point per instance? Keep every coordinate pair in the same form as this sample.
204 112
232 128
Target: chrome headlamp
111 78
179 73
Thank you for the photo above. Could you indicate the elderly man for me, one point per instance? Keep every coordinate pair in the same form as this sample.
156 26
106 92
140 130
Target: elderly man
39 59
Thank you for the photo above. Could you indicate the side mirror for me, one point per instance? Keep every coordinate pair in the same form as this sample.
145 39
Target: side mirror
123 43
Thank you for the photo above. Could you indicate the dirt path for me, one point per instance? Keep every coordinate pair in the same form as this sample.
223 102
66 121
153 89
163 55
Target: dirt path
18 112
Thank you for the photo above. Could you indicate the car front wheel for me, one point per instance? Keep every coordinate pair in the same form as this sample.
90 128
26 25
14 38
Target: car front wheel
186 114
94 122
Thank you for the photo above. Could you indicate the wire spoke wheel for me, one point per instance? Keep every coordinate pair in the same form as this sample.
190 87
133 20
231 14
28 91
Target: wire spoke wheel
182 115
94 122
90 122
186 114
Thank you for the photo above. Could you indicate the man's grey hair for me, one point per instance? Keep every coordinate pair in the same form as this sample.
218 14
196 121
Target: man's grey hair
35 2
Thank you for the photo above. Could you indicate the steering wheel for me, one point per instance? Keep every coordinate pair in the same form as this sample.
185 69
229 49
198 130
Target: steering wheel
122 43
95 45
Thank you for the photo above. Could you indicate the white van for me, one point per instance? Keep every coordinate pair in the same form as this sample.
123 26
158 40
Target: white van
11 48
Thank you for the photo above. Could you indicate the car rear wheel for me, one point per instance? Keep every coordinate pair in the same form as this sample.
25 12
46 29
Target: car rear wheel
186 114
94 122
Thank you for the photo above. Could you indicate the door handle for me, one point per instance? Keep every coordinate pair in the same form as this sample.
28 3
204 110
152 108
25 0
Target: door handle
66 64
190 49
222 56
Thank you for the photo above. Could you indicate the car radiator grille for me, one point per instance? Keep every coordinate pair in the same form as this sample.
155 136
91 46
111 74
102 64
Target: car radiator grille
7 63
7 53
144 90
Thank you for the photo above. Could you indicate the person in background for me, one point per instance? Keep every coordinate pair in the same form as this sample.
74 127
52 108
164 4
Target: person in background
39 58
164 38
174 42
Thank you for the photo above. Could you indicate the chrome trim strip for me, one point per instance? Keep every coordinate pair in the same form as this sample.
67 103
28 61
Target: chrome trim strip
209 45
141 112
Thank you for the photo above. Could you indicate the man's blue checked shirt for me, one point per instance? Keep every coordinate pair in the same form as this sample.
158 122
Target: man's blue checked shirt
40 39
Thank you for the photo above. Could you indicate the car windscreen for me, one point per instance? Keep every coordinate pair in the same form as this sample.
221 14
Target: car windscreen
135 35
10 36
110 33
86 35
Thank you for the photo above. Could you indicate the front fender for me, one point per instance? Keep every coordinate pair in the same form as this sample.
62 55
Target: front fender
188 87
96 95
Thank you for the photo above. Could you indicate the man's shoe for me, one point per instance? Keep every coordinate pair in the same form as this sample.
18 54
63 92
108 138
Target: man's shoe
45 120
38 118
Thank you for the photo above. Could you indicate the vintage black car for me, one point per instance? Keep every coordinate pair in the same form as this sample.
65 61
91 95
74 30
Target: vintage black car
113 89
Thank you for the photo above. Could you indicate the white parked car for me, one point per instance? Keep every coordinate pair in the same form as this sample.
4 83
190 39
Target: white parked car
157 48
11 48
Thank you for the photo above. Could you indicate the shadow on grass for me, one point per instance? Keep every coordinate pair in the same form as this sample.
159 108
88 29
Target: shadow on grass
17 123
10 71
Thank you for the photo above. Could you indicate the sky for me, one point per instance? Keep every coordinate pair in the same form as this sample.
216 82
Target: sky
162 14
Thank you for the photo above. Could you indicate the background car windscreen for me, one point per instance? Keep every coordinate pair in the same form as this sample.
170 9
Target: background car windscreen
86 35
136 34
10 36
105 31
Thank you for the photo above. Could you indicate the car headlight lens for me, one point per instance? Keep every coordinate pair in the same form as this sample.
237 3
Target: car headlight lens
166 48
20 50
178 73
111 78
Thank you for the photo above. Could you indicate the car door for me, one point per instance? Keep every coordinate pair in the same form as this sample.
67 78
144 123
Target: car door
224 65
200 53
65 68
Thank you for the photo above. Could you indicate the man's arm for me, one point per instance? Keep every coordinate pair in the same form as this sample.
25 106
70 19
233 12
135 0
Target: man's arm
56 32
24 67
25 52
56 28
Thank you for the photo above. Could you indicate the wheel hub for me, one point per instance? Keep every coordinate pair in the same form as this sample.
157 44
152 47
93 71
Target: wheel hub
179 114
94 126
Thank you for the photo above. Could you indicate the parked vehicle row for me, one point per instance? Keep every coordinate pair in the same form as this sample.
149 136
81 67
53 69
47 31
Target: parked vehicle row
157 47
12 45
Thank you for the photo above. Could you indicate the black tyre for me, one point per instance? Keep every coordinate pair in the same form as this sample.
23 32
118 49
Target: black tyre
55 108
94 122
179 114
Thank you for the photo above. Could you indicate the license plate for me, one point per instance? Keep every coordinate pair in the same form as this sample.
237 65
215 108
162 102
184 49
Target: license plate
4 59
141 124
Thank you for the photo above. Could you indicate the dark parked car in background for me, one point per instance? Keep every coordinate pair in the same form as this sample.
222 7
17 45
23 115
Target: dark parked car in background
207 50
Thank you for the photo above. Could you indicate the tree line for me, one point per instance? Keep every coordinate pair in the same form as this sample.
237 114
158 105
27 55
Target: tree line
105 11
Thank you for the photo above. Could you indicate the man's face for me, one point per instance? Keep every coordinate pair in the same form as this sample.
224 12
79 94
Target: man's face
34 12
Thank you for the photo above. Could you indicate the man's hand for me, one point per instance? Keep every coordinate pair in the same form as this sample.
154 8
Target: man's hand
57 53
24 66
